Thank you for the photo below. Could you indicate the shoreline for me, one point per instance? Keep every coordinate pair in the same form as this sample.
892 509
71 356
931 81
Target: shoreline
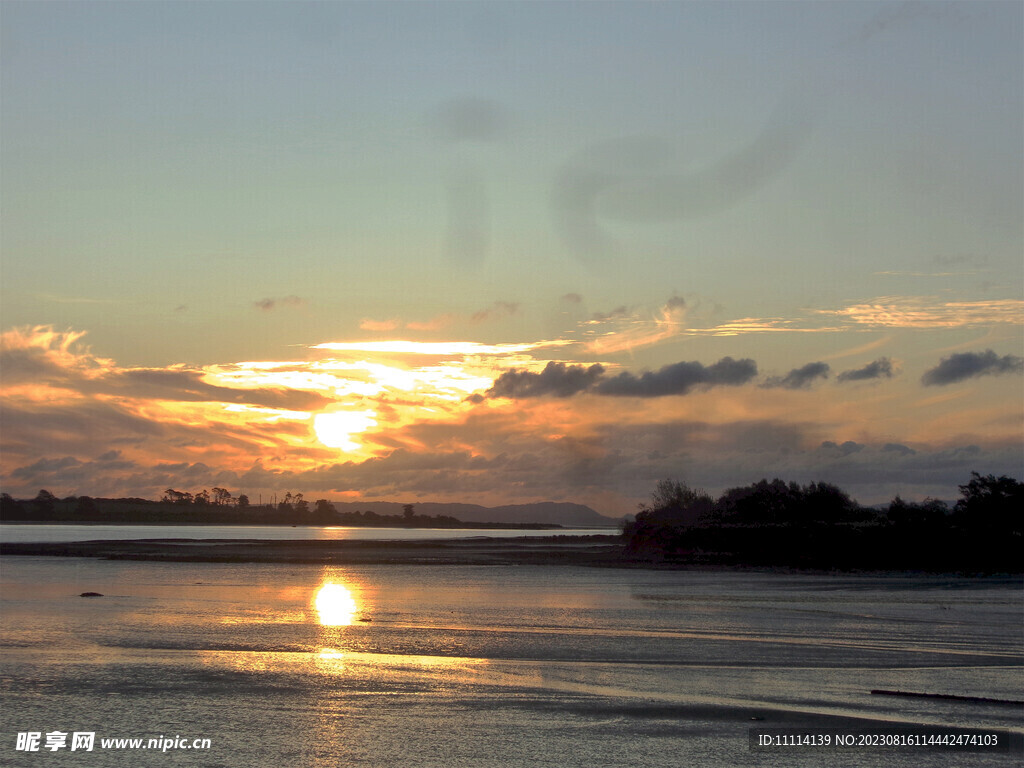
463 526
595 550
599 551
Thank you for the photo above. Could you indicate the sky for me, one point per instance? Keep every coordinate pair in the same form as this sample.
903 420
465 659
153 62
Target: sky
500 253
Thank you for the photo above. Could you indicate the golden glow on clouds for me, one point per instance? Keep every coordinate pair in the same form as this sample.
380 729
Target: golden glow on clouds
930 312
313 425
445 348
336 428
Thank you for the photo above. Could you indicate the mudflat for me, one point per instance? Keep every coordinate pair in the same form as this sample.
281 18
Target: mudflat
539 550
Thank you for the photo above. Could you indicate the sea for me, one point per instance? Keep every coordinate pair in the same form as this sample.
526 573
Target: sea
229 664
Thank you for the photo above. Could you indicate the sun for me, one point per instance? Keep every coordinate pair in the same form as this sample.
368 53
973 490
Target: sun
336 428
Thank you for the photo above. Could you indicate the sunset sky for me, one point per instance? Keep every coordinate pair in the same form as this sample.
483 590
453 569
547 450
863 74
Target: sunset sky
508 252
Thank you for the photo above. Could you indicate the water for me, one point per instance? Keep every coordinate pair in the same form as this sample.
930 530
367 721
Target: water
493 665
66 533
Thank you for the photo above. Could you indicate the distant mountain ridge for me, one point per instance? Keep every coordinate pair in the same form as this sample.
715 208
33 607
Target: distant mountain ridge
545 512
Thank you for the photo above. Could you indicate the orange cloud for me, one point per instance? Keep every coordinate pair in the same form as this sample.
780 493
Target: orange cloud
629 331
930 312
393 419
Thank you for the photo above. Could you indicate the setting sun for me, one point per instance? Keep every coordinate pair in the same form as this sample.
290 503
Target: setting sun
336 428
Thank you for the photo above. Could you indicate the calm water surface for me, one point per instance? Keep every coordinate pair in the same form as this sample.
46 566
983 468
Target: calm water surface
65 533
296 665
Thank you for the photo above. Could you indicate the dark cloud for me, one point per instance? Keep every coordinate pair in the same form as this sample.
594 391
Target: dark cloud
969 365
845 449
902 450
799 378
600 317
268 303
679 378
556 380
675 303
879 369
561 380
572 298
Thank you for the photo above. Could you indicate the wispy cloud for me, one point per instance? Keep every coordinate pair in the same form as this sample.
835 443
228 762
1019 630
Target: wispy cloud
622 330
930 312
268 304
496 311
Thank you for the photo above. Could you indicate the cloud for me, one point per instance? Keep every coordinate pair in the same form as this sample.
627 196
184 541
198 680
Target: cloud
75 422
879 369
572 298
847 448
602 317
497 310
969 365
629 331
42 357
436 323
556 380
679 378
799 378
902 450
268 304
369 324
930 312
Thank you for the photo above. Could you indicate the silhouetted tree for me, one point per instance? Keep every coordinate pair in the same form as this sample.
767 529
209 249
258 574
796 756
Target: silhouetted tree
992 504
86 506
177 497
930 513
10 508
324 510
243 500
44 503
201 499
663 526
221 496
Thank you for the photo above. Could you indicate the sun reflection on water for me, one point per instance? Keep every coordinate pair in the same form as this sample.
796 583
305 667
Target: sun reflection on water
335 605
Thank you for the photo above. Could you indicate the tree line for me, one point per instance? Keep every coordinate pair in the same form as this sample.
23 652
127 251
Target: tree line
775 523
217 507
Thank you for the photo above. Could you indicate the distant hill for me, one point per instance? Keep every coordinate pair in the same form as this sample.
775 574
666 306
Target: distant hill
545 512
